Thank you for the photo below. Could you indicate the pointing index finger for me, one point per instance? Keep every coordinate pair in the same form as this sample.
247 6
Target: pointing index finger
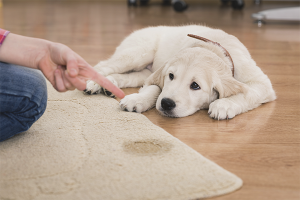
104 82
90 73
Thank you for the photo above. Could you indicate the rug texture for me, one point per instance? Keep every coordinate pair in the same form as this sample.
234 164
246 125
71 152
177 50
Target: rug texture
85 147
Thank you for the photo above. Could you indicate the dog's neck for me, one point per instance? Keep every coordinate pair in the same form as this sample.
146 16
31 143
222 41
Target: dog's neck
219 48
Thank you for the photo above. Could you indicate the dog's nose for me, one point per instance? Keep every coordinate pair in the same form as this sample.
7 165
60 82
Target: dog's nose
167 104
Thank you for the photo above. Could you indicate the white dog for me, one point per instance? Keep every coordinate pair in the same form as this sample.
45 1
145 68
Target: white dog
181 74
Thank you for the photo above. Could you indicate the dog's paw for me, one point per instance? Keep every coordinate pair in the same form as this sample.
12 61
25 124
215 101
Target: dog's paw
222 109
92 88
106 92
135 103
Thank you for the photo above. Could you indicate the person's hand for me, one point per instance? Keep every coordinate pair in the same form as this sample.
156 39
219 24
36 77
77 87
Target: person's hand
66 70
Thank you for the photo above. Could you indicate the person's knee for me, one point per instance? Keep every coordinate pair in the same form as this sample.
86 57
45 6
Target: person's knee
40 91
25 97
36 89
34 105
28 111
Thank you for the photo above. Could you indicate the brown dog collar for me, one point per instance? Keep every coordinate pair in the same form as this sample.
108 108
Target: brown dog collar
207 40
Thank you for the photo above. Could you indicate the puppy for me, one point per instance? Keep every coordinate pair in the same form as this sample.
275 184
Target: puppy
181 75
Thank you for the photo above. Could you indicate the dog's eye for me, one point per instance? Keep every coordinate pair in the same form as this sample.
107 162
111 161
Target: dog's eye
171 76
195 86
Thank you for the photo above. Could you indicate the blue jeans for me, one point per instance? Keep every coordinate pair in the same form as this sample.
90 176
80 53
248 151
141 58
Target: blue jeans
23 98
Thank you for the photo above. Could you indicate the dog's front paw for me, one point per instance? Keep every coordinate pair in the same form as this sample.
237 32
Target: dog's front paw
134 103
223 109
92 88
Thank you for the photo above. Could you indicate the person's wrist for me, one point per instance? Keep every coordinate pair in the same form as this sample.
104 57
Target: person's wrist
42 52
23 51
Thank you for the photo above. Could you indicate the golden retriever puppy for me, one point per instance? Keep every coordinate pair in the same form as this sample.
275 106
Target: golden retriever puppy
181 75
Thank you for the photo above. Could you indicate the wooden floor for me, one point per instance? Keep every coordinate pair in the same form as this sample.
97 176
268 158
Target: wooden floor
261 146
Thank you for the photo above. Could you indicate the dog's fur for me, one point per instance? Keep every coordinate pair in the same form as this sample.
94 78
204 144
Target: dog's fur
166 62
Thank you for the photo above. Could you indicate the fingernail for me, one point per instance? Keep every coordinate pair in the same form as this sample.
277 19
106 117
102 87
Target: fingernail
73 71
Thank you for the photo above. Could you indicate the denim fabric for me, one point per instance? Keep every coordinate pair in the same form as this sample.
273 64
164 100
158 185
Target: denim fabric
23 98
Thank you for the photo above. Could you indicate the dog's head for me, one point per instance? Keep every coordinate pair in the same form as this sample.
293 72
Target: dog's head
193 79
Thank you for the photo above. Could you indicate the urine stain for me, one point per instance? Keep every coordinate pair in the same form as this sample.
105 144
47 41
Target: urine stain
146 147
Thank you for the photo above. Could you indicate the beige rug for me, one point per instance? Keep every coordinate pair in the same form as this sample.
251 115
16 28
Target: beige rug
85 147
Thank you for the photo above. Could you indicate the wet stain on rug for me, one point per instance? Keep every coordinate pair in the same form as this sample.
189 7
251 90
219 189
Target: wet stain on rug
146 147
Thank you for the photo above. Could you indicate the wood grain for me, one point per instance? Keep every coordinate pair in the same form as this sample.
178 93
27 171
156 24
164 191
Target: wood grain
261 146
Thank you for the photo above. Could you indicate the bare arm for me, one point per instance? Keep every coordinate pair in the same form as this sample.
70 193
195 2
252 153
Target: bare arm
65 69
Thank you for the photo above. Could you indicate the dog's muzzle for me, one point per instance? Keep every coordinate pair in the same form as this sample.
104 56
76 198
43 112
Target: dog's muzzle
168 104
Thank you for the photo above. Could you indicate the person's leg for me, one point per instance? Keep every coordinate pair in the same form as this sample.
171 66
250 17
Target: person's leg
23 98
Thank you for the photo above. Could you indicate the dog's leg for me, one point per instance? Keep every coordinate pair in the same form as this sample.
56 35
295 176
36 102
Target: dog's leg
133 79
227 108
130 59
142 101
133 59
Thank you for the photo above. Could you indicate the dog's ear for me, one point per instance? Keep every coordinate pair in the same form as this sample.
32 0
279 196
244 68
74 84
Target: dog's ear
157 78
227 86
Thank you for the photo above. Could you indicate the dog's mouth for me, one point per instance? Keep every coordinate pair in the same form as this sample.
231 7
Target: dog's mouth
167 113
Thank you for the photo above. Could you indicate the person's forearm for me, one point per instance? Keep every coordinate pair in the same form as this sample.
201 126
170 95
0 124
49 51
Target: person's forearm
24 51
